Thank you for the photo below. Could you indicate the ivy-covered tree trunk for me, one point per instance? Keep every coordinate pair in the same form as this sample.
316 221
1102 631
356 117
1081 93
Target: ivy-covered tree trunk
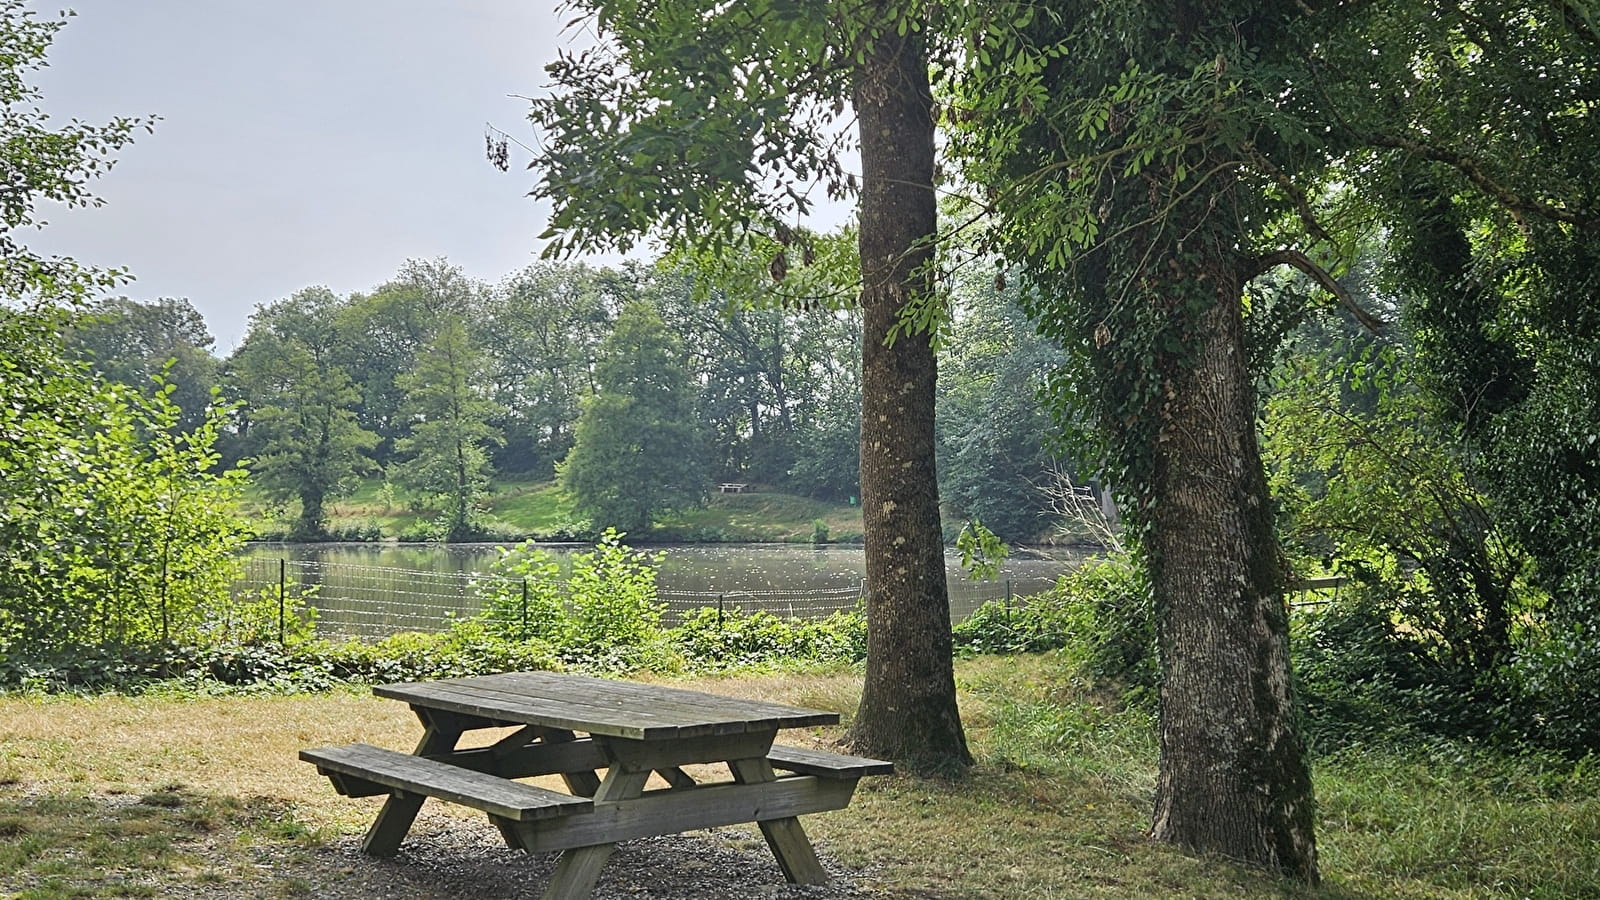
1233 777
908 705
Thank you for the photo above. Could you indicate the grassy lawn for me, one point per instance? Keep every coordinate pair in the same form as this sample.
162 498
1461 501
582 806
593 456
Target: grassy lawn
530 507
762 516
115 796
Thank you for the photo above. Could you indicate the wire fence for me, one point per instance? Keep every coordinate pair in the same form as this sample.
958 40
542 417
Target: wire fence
374 602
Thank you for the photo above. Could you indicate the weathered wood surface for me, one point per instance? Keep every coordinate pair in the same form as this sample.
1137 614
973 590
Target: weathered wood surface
634 730
825 763
519 758
673 811
426 777
601 706
642 756
400 808
785 837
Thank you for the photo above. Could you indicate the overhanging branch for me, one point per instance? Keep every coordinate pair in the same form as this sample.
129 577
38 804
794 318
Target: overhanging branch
1473 170
1290 257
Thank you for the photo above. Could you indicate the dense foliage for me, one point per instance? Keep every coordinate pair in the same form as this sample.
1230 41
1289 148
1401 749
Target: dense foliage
116 527
636 448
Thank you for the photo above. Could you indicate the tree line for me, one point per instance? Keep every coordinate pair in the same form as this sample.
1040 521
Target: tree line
641 386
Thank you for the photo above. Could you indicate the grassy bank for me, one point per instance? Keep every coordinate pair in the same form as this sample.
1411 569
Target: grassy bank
154 796
522 508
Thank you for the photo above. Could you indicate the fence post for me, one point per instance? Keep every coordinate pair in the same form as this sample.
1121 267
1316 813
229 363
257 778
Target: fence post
524 609
1008 603
719 611
282 602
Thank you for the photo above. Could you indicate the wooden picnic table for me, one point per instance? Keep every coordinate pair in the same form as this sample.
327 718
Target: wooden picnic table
574 726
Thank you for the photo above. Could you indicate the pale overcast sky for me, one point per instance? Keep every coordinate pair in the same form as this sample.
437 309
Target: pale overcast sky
302 142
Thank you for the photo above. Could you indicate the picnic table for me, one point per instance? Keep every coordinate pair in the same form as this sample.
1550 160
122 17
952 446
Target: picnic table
573 726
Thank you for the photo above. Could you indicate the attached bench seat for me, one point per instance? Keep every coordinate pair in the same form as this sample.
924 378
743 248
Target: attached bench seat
825 764
356 770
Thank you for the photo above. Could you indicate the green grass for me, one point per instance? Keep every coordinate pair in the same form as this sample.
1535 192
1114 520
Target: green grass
763 516
69 844
1057 807
519 508
530 506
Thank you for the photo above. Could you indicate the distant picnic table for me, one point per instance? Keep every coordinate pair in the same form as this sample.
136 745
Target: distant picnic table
733 487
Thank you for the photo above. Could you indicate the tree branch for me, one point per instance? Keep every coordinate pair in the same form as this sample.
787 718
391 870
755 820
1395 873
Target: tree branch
1474 172
1291 257
1302 204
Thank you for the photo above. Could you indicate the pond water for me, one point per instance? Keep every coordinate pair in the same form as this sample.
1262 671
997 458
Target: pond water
375 589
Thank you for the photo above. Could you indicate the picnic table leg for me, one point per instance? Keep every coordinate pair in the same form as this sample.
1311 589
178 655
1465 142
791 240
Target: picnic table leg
579 868
400 810
793 850
581 784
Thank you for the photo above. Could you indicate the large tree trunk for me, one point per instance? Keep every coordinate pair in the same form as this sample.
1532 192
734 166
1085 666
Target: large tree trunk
1233 777
908 704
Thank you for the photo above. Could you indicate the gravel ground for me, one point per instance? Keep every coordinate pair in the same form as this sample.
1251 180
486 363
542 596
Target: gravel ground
447 858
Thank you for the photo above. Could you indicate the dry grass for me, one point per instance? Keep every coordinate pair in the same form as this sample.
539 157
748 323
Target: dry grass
1057 807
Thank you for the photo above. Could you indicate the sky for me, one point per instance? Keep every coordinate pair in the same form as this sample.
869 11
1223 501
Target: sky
301 142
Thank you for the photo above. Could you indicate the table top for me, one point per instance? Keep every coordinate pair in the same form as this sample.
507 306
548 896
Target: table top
600 706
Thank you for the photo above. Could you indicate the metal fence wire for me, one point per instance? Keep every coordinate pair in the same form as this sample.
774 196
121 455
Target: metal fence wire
374 602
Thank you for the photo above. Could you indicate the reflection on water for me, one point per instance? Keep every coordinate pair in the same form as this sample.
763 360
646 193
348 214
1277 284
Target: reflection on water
687 567
424 586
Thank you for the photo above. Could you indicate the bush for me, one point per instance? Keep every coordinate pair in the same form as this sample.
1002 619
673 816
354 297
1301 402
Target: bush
602 614
708 639
469 647
1101 613
1363 677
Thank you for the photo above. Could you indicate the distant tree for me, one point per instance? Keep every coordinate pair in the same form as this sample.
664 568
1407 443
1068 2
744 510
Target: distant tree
996 462
636 452
381 333
445 457
779 380
303 430
132 342
542 327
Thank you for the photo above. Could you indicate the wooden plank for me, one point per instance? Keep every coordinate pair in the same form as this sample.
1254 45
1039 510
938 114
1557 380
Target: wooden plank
579 867
582 782
674 811
602 706
642 756
785 837
570 713
400 808
420 776
822 762
531 760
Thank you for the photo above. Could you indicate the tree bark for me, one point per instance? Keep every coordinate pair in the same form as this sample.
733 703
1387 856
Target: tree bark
908 704
1233 777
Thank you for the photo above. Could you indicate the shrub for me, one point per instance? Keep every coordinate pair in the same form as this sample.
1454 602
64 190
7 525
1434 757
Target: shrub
819 532
708 639
1101 613
603 613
